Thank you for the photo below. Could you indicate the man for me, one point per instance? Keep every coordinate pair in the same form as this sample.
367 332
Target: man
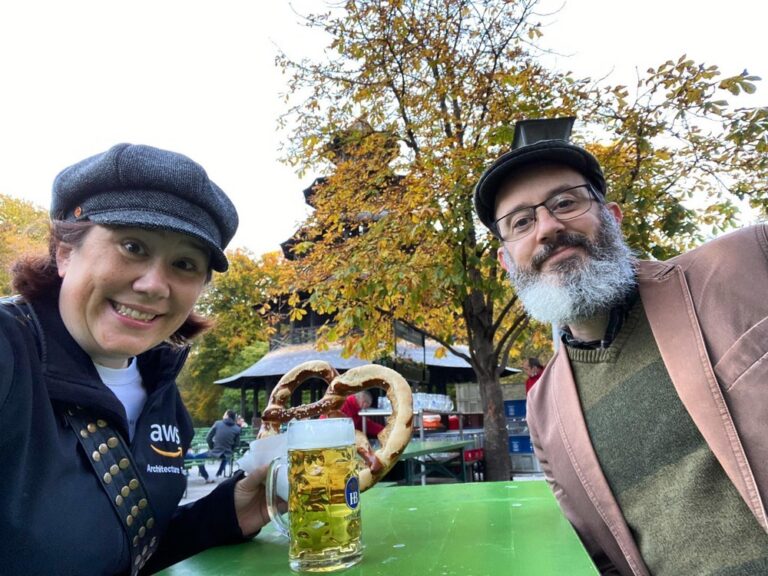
352 407
223 438
650 420
533 369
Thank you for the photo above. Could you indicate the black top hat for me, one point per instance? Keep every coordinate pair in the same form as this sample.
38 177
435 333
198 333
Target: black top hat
539 141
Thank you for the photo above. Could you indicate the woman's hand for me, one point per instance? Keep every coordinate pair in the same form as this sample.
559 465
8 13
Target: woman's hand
251 502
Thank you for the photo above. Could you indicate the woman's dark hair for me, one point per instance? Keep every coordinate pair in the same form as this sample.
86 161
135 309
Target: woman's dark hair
37 276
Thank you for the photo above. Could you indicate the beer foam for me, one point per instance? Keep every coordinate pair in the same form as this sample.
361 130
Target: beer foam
320 433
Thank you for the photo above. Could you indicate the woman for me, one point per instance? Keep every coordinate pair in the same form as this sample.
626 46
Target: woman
94 429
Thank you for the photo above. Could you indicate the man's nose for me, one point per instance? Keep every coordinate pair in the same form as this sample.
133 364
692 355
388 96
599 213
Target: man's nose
547 226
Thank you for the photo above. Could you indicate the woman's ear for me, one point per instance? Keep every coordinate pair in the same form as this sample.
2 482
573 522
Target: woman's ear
63 256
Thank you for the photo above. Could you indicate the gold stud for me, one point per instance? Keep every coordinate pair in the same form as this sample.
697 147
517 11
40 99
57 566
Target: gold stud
119 500
142 531
135 541
129 520
84 433
96 456
143 503
101 423
112 442
150 523
135 511
137 561
107 478
133 484
103 448
124 463
91 427
114 469
152 542
125 491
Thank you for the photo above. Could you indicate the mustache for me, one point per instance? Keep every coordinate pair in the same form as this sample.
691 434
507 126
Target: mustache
569 239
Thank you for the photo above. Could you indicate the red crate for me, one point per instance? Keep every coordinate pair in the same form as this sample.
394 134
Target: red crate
473 455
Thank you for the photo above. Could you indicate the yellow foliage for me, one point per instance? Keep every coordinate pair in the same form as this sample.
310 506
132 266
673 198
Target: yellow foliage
23 231
414 101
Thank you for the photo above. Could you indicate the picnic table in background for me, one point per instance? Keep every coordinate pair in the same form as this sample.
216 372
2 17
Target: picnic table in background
444 457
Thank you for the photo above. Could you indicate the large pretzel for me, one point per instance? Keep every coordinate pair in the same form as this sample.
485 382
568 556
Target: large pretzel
395 435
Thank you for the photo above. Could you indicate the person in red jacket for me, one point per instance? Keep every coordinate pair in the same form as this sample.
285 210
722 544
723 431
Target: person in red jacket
352 406
533 369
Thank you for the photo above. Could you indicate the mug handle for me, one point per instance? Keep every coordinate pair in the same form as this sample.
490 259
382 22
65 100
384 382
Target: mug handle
274 514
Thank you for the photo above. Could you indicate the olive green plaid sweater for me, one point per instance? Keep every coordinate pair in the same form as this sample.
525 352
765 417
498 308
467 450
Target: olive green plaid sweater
686 516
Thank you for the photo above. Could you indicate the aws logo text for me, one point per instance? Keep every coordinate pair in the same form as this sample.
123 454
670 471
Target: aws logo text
162 433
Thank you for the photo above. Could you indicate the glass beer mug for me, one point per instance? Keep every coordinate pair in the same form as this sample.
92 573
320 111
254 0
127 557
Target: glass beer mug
323 495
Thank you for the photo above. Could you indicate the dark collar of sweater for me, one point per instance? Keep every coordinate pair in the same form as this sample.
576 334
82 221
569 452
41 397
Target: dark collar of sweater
616 317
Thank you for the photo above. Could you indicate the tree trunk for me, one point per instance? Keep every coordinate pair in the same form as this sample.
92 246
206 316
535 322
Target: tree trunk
497 462
479 318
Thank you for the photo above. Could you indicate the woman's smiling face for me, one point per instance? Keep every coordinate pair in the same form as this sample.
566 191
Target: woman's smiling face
125 290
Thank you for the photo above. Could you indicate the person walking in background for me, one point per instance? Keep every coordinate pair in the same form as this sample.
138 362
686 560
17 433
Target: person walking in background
89 354
353 405
223 439
533 369
650 420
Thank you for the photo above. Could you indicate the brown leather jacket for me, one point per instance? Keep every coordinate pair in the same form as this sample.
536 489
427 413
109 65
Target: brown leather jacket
708 310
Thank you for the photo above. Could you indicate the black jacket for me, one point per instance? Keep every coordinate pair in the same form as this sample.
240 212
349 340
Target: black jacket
55 518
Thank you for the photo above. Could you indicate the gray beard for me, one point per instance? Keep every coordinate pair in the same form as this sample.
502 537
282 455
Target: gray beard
577 290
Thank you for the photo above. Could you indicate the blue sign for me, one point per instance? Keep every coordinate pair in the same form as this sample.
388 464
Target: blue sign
352 492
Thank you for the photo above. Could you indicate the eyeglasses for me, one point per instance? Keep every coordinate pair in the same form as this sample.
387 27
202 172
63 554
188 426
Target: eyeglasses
564 205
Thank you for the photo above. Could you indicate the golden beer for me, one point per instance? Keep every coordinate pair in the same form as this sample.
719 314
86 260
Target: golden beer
323 495
324 508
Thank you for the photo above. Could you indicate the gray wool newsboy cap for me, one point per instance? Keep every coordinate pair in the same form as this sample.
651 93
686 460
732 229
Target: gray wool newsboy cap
145 187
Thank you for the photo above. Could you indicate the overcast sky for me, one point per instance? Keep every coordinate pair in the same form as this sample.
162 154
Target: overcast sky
198 77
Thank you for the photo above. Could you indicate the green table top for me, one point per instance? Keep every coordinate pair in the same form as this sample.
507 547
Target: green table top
422 447
475 529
